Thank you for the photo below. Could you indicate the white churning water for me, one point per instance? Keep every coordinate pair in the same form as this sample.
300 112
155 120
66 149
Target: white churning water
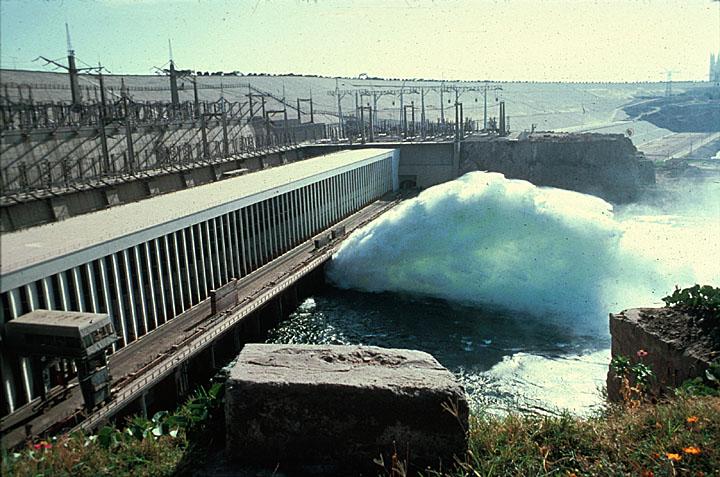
484 239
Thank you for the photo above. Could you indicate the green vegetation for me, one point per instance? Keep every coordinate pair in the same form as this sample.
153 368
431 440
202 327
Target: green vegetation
167 444
700 301
679 437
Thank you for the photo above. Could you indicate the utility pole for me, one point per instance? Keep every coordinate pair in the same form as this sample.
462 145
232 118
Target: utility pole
339 107
103 122
442 104
422 112
73 71
174 96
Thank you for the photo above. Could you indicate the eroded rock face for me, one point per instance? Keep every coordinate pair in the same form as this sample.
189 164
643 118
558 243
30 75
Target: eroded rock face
605 165
677 349
334 409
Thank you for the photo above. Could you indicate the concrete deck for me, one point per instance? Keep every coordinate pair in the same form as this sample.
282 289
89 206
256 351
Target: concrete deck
120 227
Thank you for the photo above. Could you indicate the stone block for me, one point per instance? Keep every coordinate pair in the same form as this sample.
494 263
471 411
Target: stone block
333 410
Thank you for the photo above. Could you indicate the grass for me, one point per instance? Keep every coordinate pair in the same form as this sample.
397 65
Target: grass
677 437
168 444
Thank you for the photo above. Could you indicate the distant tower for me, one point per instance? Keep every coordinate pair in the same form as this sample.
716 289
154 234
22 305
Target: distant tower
175 98
714 76
72 70
711 74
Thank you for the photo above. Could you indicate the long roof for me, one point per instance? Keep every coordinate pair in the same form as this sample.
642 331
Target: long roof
110 230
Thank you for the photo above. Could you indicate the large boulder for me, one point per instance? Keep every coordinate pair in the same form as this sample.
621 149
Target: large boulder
336 409
674 346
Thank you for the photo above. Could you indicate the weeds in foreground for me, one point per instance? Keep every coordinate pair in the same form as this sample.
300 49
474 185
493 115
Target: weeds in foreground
678 437
144 447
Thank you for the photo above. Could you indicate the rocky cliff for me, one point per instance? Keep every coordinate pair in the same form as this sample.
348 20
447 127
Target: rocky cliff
605 165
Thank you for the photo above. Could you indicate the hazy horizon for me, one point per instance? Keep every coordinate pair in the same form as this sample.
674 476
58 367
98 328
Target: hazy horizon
512 40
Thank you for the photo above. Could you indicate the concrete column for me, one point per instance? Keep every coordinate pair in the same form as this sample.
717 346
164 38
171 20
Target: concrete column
33 298
142 403
117 281
178 279
252 233
141 288
78 285
106 306
279 220
229 246
195 272
170 282
92 287
209 254
156 252
316 208
234 244
301 196
324 220
222 245
15 303
269 229
287 232
131 293
202 270
48 291
184 259
241 240
292 219
64 291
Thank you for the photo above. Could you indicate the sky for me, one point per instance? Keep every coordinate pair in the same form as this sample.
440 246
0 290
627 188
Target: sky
504 40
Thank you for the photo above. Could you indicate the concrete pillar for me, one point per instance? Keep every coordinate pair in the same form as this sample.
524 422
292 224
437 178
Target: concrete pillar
78 285
169 275
92 287
190 231
209 255
229 246
177 278
48 292
106 306
252 234
186 260
241 240
213 365
142 404
234 246
15 305
141 289
130 293
118 297
221 250
197 238
161 282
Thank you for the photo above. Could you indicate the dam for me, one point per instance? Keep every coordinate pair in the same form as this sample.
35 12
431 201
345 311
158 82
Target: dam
197 226
165 259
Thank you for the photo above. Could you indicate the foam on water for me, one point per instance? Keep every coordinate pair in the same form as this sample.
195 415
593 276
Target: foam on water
485 239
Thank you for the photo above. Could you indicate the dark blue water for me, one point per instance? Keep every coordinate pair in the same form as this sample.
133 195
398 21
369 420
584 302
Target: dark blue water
506 360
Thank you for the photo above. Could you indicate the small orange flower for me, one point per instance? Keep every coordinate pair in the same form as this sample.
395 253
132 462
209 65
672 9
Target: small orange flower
674 457
692 419
692 450
647 473
655 455
642 353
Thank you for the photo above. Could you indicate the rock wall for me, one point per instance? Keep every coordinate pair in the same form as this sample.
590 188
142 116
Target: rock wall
605 165
676 351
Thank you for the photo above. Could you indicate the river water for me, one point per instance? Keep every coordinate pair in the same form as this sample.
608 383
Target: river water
509 285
